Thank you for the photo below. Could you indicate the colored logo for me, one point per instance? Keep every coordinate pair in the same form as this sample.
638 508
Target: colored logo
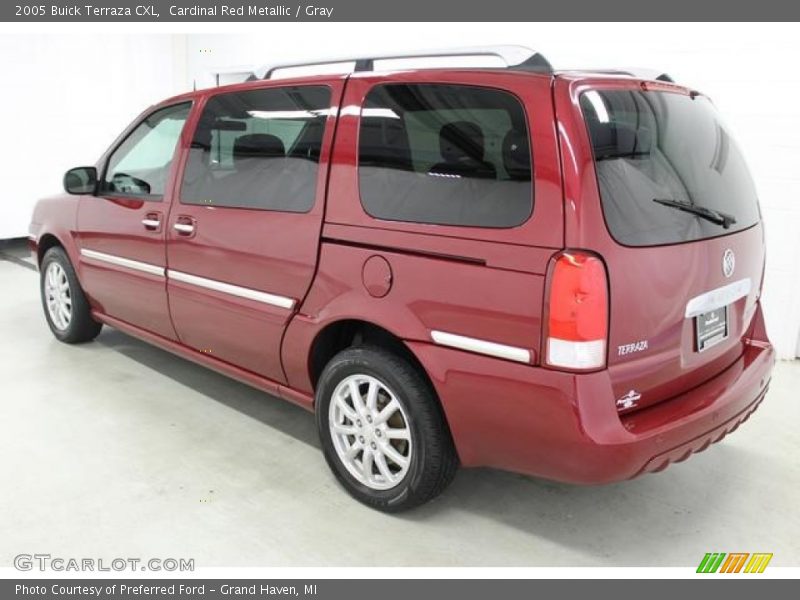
735 562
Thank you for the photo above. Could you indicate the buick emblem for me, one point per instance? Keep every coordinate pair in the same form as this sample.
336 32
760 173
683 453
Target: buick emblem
728 262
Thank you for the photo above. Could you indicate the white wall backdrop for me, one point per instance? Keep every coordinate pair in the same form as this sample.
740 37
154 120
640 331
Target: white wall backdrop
65 98
76 93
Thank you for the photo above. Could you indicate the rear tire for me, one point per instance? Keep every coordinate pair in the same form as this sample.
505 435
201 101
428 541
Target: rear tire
382 430
65 306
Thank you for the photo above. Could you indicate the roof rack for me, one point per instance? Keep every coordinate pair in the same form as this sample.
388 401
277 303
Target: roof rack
652 74
516 58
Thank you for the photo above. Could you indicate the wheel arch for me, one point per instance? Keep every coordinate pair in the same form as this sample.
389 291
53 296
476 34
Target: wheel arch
348 332
47 241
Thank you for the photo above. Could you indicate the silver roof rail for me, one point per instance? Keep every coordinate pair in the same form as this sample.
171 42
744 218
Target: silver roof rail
638 73
516 58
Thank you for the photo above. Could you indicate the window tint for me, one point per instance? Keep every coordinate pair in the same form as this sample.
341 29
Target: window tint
667 168
258 149
140 164
445 154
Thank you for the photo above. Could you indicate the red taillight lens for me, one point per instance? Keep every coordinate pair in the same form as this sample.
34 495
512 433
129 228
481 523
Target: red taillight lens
577 325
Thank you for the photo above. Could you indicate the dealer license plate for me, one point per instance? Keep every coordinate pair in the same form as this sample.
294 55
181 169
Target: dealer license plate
711 328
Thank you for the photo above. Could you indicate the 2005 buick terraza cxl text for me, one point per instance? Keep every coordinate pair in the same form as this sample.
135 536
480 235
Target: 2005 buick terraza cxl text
554 273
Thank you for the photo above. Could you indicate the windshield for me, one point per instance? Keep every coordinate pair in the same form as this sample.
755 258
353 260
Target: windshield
667 168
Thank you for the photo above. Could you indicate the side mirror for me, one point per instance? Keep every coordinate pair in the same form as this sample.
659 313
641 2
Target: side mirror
81 180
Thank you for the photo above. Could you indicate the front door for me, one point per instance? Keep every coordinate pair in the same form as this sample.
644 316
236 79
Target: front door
244 232
121 229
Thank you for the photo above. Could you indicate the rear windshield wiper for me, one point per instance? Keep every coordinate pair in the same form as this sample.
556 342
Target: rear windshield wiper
715 216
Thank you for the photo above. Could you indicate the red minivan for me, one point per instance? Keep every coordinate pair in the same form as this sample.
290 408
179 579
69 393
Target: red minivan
554 273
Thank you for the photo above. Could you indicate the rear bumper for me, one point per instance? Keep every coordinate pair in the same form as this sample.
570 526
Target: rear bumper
565 426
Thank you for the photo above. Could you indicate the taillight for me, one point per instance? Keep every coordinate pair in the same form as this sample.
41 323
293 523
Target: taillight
577 323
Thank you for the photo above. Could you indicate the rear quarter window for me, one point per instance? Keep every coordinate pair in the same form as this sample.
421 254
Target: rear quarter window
445 154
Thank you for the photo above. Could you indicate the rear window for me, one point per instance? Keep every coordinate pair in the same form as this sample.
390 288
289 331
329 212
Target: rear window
667 168
445 154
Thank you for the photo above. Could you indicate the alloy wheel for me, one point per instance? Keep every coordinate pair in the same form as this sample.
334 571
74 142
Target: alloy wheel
370 431
58 296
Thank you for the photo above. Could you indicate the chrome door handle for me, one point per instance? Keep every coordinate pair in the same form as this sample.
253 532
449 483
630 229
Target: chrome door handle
152 221
183 228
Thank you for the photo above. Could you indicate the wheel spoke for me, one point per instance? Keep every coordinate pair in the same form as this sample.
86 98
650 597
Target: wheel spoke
366 464
393 455
355 396
348 412
353 451
387 411
343 429
398 434
372 395
384 469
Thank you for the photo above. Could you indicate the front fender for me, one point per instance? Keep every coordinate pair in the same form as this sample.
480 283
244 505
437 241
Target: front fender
56 216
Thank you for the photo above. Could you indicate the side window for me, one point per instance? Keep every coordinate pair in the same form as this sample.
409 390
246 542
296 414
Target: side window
445 154
258 149
140 164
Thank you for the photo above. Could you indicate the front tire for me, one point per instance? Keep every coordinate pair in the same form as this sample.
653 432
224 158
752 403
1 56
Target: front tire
65 306
382 430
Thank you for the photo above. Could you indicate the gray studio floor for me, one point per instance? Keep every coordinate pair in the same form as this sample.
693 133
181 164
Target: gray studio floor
116 448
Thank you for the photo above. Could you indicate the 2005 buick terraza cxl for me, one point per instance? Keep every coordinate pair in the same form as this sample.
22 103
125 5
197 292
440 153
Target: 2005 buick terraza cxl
554 273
